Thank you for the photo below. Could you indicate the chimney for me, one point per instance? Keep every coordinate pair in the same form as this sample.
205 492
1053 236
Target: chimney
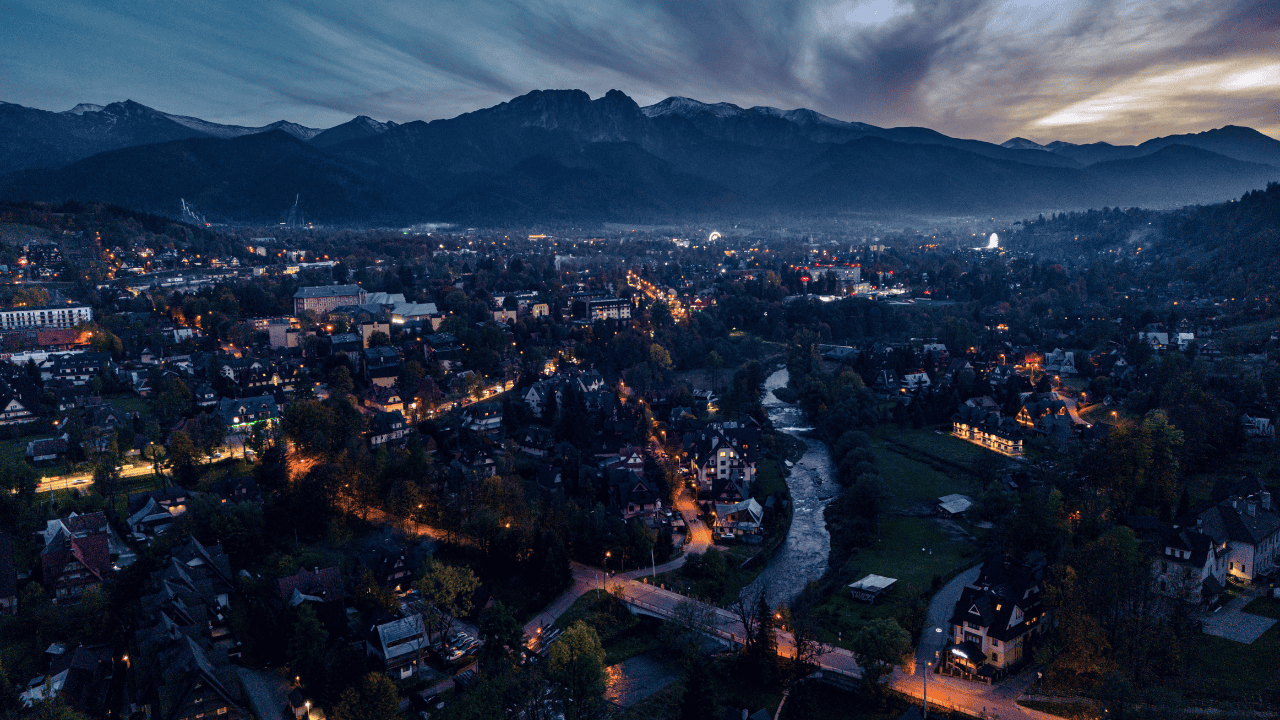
1266 499
1252 508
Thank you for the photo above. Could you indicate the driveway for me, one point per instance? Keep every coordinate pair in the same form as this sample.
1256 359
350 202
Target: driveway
1233 623
940 609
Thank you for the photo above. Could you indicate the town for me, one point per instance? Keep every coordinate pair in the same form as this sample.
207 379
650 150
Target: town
987 469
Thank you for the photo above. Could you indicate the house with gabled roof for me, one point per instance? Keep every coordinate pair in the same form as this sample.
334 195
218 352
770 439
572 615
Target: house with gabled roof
1189 565
998 619
388 428
72 565
632 494
16 408
1247 523
315 585
241 414
398 644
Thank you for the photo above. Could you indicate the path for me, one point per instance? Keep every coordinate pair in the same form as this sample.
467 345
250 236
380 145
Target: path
940 608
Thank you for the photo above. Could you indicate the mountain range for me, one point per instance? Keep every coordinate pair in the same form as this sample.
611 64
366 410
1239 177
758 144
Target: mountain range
558 155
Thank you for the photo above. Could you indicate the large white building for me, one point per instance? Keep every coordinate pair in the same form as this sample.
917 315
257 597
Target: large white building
52 317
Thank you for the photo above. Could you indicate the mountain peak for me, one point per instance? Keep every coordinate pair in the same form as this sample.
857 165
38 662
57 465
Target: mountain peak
688 107
1021 143
83 108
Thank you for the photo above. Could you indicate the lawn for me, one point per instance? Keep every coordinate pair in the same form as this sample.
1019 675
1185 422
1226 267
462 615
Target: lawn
911 482
1250 335
945 447
1228 670
898 555
1264 606
130 403
769 480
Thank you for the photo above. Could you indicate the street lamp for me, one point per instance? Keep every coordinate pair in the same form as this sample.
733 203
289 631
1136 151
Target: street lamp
928 667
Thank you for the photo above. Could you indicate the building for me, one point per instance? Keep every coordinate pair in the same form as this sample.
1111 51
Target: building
602 308
483 417
183 649
398 644
16 407
998 619
1190 565
242 414
381 365
315 585
49 317
388 428
987 428
717 454
77 558
77 368
324 298
741 518
1247 526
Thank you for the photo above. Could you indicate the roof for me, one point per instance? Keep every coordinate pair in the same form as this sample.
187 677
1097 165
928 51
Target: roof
955 504
1224 522
394 637
324 291
408 309
324 584
873 583
91 550
749 505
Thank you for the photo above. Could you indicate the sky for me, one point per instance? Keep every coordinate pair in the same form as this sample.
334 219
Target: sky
1076 70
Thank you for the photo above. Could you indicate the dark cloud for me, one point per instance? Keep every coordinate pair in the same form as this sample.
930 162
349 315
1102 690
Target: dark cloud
1077 69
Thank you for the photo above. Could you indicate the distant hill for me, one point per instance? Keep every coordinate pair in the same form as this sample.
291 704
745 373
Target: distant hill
559 154
249 178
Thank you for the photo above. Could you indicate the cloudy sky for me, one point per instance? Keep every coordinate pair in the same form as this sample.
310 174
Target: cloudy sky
1078 70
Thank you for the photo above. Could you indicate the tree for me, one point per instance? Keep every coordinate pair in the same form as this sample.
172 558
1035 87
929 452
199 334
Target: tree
106 479
307 644
448 589
698 701
379 339
183 457
577 664
373 698
502 636
879 645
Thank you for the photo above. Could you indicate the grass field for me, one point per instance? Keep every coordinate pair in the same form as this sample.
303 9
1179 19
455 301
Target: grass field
911 482
1264 606
930 443
1248 335
130 403
1229 670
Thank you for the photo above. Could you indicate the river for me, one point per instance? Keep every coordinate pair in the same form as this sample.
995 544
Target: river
802 558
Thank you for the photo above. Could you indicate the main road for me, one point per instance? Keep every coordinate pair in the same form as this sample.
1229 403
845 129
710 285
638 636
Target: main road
66 482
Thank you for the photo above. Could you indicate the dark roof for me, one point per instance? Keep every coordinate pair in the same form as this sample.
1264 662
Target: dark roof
328 291
324 583
1002 585
90 550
